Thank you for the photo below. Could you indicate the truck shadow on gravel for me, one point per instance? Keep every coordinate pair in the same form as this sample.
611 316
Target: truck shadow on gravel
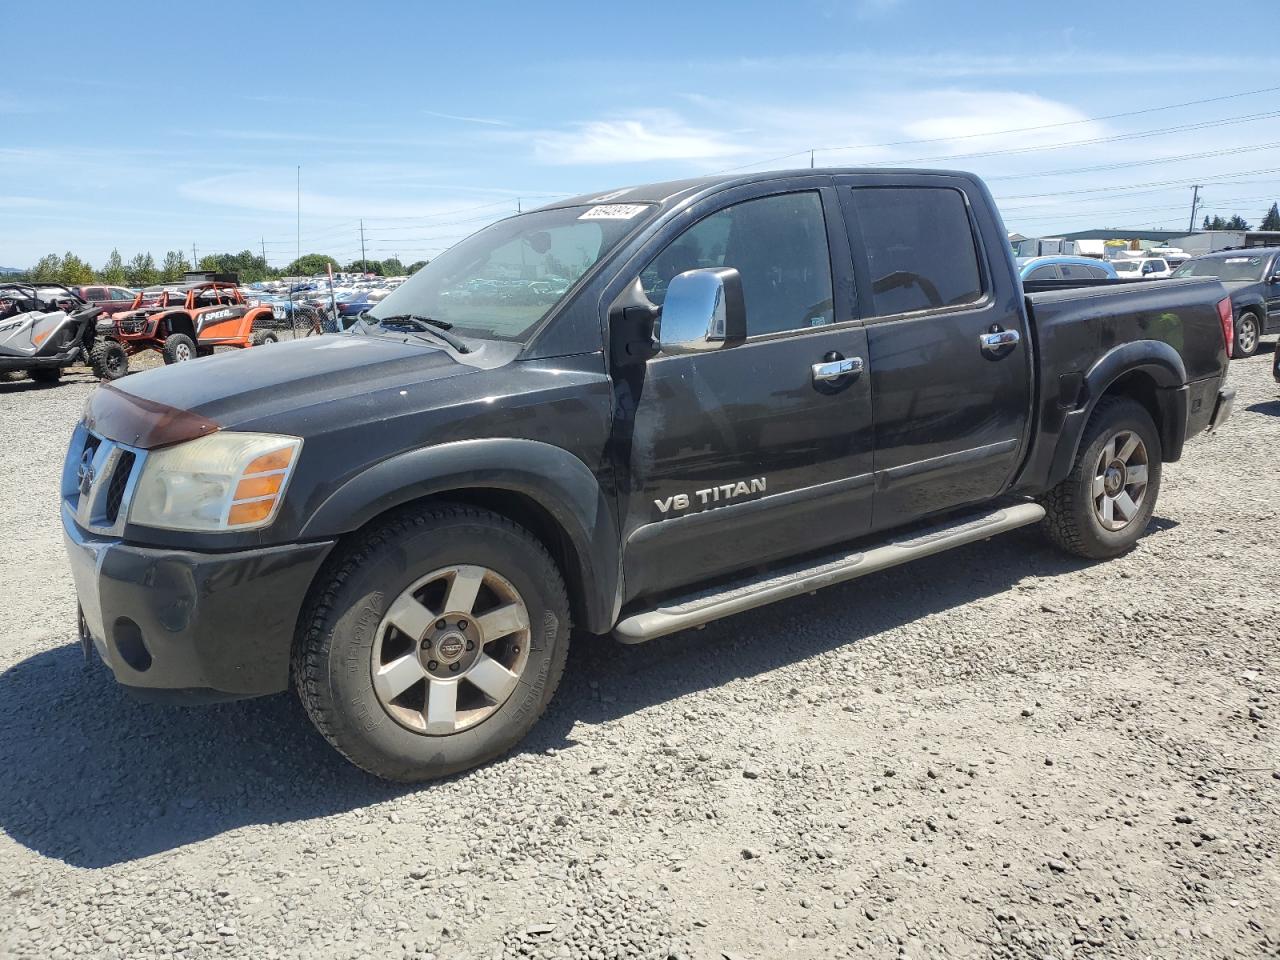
93 778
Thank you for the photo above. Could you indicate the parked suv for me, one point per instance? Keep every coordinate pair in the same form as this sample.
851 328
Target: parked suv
1252 278
747 388
1136 268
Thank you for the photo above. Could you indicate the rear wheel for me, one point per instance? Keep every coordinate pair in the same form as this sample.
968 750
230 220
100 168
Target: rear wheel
434 643
1248 334
46 375
263 337
178 348
108 360
1103 506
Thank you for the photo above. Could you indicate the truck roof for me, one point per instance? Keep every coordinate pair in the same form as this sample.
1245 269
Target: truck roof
672 191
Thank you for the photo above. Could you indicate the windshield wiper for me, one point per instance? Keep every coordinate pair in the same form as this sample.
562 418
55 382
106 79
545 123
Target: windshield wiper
437 328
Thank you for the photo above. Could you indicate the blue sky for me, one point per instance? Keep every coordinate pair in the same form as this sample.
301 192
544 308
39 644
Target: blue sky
156 126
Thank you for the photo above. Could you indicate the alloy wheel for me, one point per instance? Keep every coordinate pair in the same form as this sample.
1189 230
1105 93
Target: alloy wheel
450 650
1120 480
1248 337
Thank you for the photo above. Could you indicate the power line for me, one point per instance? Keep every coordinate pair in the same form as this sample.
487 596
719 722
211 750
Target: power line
1031 129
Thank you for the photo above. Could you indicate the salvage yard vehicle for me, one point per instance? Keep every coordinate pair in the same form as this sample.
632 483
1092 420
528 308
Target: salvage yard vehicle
46 327
750 387
1252 277
185 321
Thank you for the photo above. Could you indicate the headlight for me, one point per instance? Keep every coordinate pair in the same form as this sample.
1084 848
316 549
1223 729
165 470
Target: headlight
225 481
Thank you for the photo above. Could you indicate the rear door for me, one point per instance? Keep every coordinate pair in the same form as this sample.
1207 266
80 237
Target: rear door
948 350
1271 291
746 454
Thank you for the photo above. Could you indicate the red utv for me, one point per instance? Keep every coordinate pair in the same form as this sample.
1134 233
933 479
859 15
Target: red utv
188 320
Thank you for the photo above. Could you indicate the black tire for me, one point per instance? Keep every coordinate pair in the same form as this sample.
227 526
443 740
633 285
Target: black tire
109 360
1071 521
1248 334
46 375
344 614
178 348
263 337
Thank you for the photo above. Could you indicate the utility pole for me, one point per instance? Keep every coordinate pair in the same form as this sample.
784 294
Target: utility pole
195 261
263 240
1195 202
810 158
363 261
518 210
299 211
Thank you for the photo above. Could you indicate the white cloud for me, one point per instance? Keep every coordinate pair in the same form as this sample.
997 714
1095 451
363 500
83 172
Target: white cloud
657 135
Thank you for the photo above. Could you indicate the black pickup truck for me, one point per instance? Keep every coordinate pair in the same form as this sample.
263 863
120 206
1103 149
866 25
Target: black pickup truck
1252 277
632 413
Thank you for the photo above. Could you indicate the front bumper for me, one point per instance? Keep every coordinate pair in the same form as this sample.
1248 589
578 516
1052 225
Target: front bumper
1222 409
200 626
61 359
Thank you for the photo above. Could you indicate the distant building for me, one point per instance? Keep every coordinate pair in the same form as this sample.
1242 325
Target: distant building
1108 241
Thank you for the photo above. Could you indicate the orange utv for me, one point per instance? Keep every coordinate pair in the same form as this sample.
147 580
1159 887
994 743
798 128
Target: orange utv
186 321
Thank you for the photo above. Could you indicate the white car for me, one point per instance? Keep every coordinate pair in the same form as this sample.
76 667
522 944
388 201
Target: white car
1142 268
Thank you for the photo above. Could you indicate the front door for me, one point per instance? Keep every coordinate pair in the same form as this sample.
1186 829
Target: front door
746 454
948 352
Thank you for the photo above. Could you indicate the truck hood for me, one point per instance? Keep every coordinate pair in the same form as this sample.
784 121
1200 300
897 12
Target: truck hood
302 377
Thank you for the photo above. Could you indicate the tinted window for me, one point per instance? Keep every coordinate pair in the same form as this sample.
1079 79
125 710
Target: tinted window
1098 273
778 245
1047 272
94 294
1074 271
118 293
920 247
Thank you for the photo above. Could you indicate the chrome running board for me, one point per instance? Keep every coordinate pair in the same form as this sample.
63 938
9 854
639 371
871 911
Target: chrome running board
700 608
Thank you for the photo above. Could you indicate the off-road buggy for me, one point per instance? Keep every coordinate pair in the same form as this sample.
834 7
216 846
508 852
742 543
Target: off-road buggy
45 327
188 320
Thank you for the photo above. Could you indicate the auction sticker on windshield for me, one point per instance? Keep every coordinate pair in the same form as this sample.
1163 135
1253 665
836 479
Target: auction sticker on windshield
614 211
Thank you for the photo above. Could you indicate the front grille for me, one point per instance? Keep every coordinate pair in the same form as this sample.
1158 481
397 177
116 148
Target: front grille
98 481
119 481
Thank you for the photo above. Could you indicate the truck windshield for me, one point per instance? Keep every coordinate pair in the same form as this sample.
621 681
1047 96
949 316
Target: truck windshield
500 282
1224 268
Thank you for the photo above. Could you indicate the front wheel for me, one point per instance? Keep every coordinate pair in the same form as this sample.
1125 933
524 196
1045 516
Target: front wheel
178 348
1103 506
1248 334
109 360
433 643
264 337
48 376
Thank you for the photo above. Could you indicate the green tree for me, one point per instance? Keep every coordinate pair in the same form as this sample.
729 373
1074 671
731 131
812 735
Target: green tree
141 271
174 266
365 266
112 271
74 271
310 263
1208 224
1238 222
48 267
1272 220
416 266
209 263
392 268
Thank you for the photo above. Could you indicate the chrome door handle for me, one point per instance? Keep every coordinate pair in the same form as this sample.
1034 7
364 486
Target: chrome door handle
1000 342
835 369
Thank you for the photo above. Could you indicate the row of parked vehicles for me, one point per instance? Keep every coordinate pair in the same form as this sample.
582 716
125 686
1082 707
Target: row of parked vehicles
45 327
1251 276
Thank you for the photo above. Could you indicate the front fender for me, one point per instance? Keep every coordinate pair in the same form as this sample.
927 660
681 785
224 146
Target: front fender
564 486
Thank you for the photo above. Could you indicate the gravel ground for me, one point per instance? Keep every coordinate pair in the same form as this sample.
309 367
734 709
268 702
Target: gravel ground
997 752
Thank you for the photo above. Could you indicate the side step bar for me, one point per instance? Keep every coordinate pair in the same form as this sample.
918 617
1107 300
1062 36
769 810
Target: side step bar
701 608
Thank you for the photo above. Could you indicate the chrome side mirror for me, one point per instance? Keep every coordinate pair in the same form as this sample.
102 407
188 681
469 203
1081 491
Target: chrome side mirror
703 309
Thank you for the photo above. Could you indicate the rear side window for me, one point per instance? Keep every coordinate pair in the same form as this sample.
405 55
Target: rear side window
1097 273
1074 271
920 247
94 294
1048 272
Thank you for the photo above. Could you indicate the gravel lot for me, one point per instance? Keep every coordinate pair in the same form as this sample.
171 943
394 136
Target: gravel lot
997 752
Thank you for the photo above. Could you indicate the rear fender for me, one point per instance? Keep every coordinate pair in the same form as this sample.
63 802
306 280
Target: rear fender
1153 359
557 481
